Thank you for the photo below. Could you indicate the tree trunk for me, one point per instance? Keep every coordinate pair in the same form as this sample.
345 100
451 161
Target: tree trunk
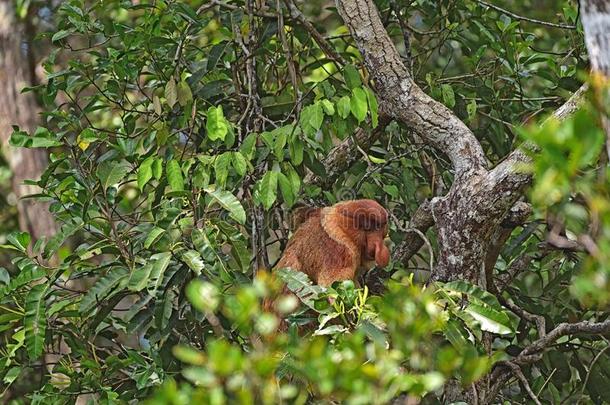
595 18
22 110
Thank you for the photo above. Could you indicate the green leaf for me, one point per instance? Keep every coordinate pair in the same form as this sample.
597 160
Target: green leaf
316 117
174 175
20 240
301 285
266 192
61 35
248 146
43 138
239 163
185 95
281 136
193 260
373 107
448 95
157 168
221 168
110 173
344 107
204 296
171 93
153 236
145 172
160 263
328 107
286 189
358 104
102 288
474 291
230 203
490 319
352 77
471 109
138 279
35 321
5 277
216 125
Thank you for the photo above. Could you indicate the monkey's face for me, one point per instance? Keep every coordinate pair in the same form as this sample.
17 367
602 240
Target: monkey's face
369 222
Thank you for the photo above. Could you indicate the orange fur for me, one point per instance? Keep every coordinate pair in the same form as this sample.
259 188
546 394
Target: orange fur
335 243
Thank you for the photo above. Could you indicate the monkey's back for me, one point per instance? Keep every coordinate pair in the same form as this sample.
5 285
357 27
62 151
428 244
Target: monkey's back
311 250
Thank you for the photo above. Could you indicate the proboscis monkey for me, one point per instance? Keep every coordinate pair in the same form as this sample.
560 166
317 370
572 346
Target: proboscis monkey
336 243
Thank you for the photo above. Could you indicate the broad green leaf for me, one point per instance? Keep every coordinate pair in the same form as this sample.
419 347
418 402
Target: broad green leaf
358 104
184 93
193 260
221 168
68 229
216 125
5 277
286 189
174 175
61 35
267 189
317 116
157 105
344 107
160 263
11 375
239 163
328 107
29 272
490 320
471 109
248 146
153 236
280 143
103 288
204 296
110 173
35 321
301 285
20 240
42 138
474 291
230 203
352 77
448 95
157 168
171 93
138 279
373 107
296 149
145 172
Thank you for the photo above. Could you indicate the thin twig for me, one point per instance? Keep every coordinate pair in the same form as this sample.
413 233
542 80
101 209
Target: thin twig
523 18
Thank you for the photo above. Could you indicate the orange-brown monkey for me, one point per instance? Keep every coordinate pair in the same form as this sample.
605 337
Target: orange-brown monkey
336 243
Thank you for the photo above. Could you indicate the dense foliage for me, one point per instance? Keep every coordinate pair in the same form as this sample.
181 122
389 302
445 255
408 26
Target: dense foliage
181 133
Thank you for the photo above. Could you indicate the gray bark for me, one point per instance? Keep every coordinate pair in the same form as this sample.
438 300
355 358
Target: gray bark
470 219
22 110
595 18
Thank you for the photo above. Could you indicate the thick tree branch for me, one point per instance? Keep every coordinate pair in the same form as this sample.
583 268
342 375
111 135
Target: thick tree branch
296 14
595 17
533 352
342 156
399 94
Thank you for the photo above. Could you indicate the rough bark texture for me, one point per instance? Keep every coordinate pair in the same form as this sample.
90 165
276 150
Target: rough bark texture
595 18
22 110
472 219
468 216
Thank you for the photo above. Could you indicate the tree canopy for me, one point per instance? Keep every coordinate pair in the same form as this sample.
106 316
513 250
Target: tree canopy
182 134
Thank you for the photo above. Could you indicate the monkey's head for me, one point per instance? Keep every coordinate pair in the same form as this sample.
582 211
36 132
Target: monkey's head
367 220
